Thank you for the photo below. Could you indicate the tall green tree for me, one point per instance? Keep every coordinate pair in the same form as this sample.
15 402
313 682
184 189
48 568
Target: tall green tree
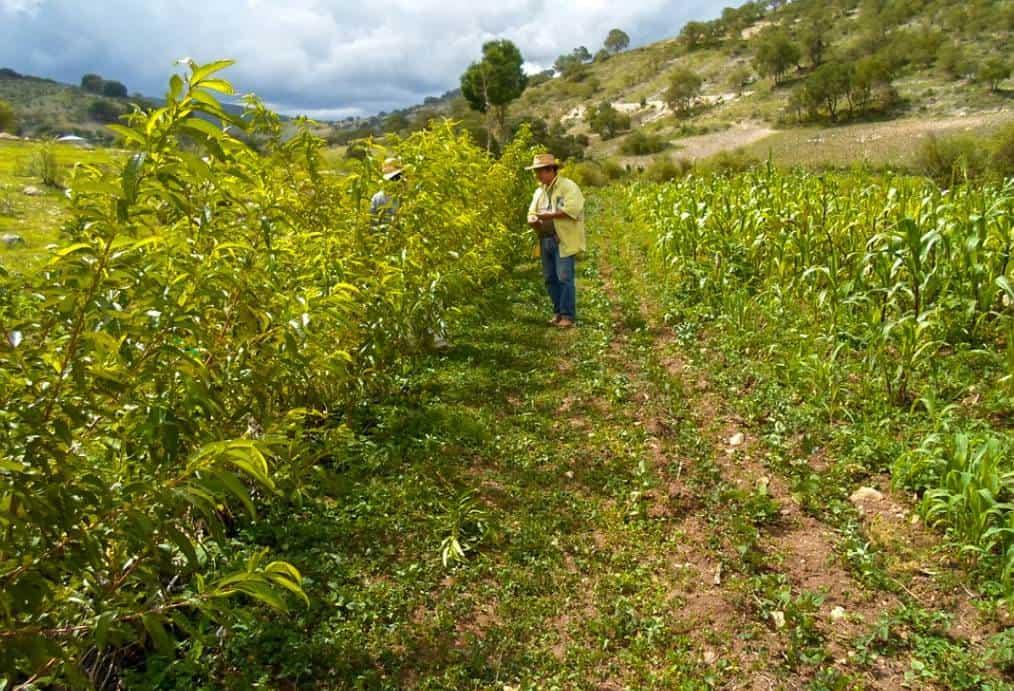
684 88
491 84
775 55
92 83
606 121
993 71
617 41
114 90
814 39
827 86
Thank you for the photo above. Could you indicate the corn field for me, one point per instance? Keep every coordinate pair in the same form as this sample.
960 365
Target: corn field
873 299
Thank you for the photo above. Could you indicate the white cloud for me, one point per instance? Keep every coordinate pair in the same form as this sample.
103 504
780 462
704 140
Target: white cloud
320 57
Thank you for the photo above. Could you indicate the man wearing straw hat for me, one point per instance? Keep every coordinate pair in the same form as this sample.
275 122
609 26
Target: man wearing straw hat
557 216
382 206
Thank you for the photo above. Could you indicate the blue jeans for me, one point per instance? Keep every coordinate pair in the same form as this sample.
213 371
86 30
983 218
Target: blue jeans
559 274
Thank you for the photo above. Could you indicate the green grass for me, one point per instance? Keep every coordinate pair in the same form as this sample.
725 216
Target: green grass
37 219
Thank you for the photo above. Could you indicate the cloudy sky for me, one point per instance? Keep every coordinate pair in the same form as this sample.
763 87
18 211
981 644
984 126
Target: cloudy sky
324 58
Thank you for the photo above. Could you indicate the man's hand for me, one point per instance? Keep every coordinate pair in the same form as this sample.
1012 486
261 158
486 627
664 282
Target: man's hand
551 215
534 222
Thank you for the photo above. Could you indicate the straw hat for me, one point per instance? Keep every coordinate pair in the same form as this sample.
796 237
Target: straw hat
392 168
543 161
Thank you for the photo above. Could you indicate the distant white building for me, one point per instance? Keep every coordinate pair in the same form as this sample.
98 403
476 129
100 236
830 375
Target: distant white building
74 140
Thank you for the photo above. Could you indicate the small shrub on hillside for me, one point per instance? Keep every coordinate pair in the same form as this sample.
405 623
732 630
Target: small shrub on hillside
664 169
641 144
729 162
1002 155
612 169
952 158
587 174
45 166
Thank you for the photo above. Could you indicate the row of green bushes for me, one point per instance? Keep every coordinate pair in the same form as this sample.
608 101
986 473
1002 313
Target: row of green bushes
190 353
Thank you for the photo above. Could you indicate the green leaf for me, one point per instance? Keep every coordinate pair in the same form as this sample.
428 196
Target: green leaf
128 134
102 623
159 636
203 71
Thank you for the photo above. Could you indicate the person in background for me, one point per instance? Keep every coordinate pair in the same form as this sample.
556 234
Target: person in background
384 206
556 214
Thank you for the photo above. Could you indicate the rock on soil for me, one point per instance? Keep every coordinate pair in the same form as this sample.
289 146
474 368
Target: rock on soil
865 496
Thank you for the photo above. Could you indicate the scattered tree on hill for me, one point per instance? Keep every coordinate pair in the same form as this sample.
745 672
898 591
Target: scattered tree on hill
953 61
540 77
699 34
865 85
572 65
92 83
814 40
114 89
640 144
993 71
602 55
827 86
617 41
396 122
684 88
8 73
553 138
490 84
606 121
871 77
8 123
104 111
775 55
739 78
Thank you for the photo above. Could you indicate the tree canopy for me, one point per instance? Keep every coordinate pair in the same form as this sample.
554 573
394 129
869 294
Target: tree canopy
684 88
617 41
775 55
490 84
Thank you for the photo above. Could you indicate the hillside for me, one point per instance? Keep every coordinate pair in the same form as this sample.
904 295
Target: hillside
45 108
926 61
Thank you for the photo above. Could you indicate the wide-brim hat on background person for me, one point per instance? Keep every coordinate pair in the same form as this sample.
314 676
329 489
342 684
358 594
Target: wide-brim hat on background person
543 161
392 168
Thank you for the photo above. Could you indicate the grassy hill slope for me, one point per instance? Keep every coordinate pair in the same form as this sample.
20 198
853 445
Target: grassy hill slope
931 56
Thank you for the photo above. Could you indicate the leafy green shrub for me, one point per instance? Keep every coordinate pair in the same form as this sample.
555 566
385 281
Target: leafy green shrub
952 158
47 167
1001 160
664 169
729 162
587 174
606 121
638 143
181 358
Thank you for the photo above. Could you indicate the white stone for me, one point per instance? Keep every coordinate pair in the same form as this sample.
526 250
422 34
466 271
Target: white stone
31 191
865 495
737 439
